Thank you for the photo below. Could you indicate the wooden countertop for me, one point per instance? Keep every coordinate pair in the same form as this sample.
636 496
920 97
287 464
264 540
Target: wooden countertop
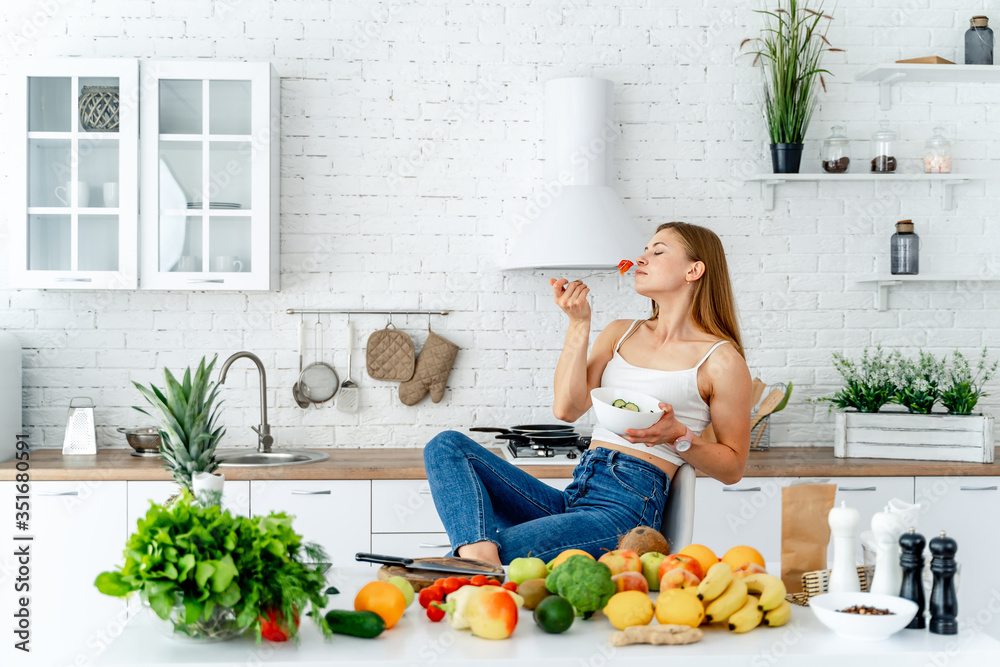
408 463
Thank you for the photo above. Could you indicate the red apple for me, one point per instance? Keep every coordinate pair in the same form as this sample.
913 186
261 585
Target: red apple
747 569
688 563
678 578
622 560
630 581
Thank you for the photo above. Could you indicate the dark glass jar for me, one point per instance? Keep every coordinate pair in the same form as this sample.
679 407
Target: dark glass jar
904 255
979 42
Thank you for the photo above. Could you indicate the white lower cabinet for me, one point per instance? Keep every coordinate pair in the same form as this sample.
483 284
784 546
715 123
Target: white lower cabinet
746 513
78 531
235 498
966 508
868 495
411 545
335 514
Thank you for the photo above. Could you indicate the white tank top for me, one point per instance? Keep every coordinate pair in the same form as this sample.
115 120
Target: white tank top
678 388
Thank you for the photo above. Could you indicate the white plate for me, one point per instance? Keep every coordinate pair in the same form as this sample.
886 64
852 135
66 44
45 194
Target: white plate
856 626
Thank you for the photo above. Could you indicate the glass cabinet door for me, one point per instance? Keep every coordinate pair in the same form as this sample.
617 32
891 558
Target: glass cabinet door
76 221
209 176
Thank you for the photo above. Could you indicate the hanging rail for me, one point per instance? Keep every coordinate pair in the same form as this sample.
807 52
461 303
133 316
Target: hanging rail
350 311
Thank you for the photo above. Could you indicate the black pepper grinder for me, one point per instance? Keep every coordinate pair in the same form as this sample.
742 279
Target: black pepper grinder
944 602
911 559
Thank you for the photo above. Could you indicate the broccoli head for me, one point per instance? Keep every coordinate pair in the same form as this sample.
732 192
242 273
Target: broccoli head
585 583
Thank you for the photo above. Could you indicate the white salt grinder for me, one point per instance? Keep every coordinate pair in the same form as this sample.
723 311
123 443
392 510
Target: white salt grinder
844 522
887 527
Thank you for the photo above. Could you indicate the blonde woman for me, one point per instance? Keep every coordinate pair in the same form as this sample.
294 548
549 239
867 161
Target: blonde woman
688 354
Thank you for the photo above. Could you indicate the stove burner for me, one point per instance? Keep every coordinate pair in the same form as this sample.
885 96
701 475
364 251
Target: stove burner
524 446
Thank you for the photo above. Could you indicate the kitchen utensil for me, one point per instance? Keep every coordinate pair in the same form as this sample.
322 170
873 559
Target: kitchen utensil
447 565
767 406
420 579
757 390
318 381
760 434
145 440
300 399
348 400
81 432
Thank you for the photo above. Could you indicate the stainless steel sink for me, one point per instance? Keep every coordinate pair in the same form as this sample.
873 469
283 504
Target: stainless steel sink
276 457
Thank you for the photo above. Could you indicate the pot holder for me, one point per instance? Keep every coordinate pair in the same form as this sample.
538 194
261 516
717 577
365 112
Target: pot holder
433 367
389 355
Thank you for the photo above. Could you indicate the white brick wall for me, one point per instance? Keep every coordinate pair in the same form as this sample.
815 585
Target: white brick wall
411 143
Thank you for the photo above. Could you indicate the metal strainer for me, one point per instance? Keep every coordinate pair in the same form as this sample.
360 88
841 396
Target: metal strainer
318 382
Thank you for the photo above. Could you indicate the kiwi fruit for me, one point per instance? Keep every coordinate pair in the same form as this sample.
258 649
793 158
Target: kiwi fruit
643 539
533 591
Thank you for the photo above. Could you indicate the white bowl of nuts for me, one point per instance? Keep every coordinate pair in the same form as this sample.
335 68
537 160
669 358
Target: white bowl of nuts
863 616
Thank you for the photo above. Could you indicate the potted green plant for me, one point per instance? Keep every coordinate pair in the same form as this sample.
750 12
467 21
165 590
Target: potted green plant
212 575
919 383
961 389
790 50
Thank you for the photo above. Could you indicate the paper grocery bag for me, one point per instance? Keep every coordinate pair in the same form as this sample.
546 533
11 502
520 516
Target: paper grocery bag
805 531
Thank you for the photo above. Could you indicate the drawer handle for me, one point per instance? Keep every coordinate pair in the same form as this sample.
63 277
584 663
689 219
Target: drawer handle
206 280
425 545
58 493
296 492
425 492
748 489
856 488
978 488
73 280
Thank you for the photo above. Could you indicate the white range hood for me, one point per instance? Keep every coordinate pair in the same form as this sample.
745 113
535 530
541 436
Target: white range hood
577 220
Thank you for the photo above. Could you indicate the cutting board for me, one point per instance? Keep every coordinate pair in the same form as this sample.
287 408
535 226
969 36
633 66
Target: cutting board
420 579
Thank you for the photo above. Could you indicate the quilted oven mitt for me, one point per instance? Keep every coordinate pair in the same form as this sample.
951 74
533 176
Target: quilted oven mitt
431 374
390 355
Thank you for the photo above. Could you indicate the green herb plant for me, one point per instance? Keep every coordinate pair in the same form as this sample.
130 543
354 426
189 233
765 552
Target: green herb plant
790 50
918 382
207 560
868 384
962 390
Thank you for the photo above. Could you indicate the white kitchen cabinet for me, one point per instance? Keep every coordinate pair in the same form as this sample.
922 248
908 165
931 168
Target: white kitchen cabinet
745 513
235 498
209 153
411 545
336 514
403 506
966 508
79 532
73 192
868 495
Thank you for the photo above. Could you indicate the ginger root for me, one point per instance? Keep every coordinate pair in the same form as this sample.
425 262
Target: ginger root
656 634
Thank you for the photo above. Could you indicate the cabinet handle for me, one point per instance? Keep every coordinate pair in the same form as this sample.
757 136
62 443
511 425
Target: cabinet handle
296 492
425 545
206 280
424 492
68 493
73 280
747 489
978 488
856 488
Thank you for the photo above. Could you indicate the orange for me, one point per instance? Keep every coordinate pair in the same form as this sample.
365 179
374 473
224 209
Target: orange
705 556
737 556
561 558
382 598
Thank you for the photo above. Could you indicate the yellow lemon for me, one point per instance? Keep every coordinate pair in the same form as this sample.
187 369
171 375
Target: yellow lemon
680 606
629 608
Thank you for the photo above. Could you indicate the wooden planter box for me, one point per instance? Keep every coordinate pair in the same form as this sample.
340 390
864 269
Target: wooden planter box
901 435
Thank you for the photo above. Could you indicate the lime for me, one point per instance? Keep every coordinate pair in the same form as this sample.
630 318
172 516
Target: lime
554 614
404 586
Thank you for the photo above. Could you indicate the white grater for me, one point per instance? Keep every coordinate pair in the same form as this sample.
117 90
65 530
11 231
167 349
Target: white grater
81 432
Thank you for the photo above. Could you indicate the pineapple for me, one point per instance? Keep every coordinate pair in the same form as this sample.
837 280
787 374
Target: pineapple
187 421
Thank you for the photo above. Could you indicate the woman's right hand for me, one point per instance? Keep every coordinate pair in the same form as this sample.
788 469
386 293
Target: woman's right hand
571 297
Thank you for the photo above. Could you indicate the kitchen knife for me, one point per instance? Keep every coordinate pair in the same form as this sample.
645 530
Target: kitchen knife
411 564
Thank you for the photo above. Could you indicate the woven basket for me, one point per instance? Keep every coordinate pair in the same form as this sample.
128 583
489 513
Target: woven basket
817 582
99 108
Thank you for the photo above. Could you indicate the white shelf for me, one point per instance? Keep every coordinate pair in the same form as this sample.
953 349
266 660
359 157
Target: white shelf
889 74
948 182
884 281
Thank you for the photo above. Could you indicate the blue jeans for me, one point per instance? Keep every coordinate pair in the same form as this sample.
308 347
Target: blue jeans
480 496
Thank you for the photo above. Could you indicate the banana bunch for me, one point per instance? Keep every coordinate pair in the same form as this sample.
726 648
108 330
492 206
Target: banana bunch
744 602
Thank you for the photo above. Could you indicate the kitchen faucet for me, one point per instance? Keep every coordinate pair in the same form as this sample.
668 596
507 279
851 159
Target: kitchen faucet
264 439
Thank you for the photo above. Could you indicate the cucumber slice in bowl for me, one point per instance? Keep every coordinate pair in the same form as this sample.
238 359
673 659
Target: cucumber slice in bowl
632 407
619 403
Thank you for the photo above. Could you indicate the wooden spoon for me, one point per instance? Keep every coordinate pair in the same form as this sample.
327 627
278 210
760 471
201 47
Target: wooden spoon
767 407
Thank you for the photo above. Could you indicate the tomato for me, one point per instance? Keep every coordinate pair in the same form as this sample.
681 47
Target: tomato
274 628
451 585
511 586
431 594
478 580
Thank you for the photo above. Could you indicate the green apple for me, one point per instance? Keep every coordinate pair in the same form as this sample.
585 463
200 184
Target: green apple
651 568
522 569
405 586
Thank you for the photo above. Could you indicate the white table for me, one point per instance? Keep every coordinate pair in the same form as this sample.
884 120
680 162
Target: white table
417 641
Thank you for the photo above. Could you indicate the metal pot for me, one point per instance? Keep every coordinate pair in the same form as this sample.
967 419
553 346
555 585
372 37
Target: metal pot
145 441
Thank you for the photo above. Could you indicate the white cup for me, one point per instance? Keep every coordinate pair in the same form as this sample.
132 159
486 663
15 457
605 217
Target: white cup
82 193
226 263
111 195
188 264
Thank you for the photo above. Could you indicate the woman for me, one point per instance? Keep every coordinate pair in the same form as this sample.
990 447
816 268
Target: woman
688 353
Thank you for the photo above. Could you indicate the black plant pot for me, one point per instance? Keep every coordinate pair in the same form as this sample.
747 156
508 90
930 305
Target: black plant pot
785 158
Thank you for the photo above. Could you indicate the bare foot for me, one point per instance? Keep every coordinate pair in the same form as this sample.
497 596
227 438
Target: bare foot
484 550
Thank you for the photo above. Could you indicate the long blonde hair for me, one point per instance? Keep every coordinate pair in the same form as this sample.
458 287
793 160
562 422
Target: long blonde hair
713 308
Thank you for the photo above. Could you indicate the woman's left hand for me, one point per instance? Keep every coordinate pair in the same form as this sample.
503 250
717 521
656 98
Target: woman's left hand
663 432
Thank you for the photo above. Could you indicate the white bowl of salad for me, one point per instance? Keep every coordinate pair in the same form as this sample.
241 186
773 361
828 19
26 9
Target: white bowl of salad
619 409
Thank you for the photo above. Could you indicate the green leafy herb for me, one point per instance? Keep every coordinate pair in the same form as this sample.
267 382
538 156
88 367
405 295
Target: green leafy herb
918 383
963 389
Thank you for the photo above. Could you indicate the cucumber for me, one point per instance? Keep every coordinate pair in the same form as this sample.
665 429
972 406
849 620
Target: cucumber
631 406
365 624
619 403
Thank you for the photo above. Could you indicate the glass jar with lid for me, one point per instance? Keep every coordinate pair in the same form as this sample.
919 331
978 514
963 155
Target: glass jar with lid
835 151
937 153
883 146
